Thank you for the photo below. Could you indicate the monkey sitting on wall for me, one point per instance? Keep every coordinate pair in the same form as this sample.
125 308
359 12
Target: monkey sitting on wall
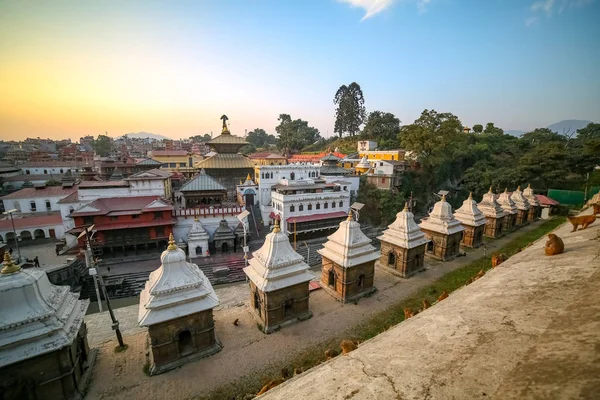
554 245
583 220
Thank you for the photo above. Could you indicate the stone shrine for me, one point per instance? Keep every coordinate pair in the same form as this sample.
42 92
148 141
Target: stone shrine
402 246
279 280
197 240
363 166
494 215
224 238
348 262
443 230
510 210
44 352
522 206
473 220
534 204
177 307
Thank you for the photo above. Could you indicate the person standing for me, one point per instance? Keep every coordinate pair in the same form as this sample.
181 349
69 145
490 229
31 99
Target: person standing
10 251
36 262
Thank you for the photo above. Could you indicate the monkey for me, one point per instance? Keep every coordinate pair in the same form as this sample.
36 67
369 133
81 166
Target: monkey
236 322
498 259
480 274
443 296
348 346
329 354
270 386
408 313
297 371
426 305
583 220
596 208
554 245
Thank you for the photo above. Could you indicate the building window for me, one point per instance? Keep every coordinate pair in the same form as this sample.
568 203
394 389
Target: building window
361 282
45 172
160 232
392 259
173 165
61 170
341 204
71 210
135 216
325 205
158 215
32 205
301 207
292 176
88 220
271 175
48 205
114 218
430 246
309 207
292 208
333 204
318 206
331 279
182 164
345 187
27 172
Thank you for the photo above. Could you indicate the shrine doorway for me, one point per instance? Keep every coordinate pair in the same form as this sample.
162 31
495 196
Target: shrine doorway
331 279
288 308
224 248
186 345
392 259
361 282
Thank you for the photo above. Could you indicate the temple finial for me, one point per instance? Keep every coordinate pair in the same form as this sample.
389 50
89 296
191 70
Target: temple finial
490 191
405 206
9 266
224 119
529 186
470 195
350 215
444 197
248 178
276 228
519 188
172 245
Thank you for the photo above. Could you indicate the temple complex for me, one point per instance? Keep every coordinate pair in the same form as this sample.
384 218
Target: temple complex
227 166
197 240
348 262
443 231
44 352
522 206
402 246
279 279
494 215
510 210
473 220
177 307
534 204
203 191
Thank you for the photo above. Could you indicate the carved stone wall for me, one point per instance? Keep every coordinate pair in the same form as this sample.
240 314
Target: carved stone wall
443 247
401 261
522 217
534 213
272 309
494 227
347 284
510 222
472 236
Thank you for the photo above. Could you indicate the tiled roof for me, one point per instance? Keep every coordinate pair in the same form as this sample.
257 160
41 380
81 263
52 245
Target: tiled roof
99 184
148 161
259 155
30 221
202 182
72 198
333 170
35 177
52 163
132 205
166 153
545 200
50 191
226 161
149 175
330 157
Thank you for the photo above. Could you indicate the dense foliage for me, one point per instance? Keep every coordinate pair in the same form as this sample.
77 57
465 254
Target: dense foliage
350 112
294 135
102 145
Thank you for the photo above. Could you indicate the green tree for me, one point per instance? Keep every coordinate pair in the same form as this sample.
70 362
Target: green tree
102 145
350 112
490 128
294 134
383 127
477 128
201 138
259 138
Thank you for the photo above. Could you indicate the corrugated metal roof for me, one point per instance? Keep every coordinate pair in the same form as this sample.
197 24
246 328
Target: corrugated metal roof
226 161
202 182
149 161
227 138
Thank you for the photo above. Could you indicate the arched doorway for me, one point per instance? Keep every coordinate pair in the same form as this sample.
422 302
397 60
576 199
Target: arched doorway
10 237
392 259
39 234
331 279
249 195
26 235
288 308
199 251
361 282
257 302
224 247
186 345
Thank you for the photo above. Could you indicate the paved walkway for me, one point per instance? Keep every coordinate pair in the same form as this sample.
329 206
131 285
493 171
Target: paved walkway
246 349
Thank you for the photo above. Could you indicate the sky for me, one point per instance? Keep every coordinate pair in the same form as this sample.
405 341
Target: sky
75 68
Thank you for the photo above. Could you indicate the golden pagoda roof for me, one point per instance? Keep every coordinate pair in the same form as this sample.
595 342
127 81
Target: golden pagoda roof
223 161
228 138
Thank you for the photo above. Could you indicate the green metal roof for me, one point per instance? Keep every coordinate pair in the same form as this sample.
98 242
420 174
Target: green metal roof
149 161
226 161
202 182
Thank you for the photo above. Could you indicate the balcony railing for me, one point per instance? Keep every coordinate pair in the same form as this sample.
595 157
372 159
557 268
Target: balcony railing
207 211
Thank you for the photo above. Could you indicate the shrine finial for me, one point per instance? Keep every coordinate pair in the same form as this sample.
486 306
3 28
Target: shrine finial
9 266
276 228
224 119
172 245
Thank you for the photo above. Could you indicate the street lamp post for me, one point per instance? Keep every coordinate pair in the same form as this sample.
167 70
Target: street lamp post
12 221
242 218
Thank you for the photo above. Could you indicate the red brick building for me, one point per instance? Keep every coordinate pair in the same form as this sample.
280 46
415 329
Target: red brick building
126 226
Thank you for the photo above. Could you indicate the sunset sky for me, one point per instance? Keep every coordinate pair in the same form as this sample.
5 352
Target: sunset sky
73 68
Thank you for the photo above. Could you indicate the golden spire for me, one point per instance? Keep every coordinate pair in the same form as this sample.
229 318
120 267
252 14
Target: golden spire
9 266
529 186
196 219
444 197
505 190
172 245
405 206
519 188
470 195
349 215
225 130
490 190
276 228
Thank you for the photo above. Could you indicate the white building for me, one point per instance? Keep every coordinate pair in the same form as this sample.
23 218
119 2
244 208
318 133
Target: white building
37 199
309 205
53 167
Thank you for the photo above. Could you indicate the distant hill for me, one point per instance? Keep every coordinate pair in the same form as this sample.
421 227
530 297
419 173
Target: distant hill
144 135
514 133
564 126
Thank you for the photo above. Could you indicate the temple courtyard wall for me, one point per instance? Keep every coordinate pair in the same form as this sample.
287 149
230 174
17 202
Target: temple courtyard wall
526 330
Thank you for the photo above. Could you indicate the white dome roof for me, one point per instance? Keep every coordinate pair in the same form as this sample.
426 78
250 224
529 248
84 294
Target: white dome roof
530 196
176 289
469 214
520 201
364 163
349 246
276 265
490 207
197 232
37 317
506 203
404 231
441 219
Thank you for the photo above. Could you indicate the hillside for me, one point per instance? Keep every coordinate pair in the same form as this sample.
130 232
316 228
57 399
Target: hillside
564 126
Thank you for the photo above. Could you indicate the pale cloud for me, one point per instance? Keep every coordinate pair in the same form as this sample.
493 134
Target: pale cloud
373 7
550 6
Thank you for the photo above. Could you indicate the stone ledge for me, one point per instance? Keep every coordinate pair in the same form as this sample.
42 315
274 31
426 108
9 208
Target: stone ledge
527 329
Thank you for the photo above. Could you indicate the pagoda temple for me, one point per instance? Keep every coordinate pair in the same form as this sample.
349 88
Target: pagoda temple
534 205
279 280
443 230
227 166
473 220
348 262
402 246
44 352
197 240
522 206
510 210
177 307
494 215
